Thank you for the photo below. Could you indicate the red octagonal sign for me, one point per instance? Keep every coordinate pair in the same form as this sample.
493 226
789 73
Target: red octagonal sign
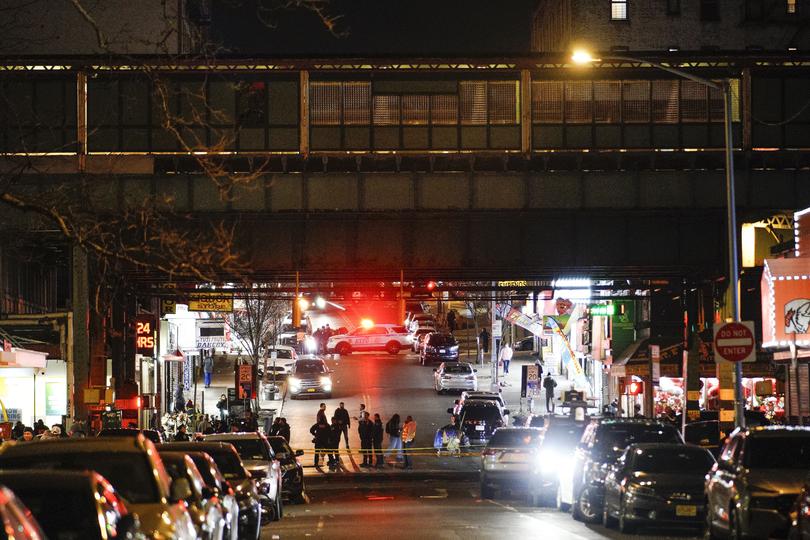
735 341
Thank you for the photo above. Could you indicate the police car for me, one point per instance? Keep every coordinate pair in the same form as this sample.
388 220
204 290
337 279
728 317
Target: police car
390 338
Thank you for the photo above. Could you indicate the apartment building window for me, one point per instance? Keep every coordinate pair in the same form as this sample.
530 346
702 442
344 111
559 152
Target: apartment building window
618 10
791 7
673 7
710 10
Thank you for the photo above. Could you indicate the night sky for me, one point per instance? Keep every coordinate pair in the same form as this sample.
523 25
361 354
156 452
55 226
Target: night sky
380 27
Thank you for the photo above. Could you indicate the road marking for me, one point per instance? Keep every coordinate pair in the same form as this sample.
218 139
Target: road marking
320 524
546 525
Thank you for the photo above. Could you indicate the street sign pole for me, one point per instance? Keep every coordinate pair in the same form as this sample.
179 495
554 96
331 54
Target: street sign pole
736 342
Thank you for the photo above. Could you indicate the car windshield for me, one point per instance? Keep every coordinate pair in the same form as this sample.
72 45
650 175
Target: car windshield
442 340
458 369
74 517
310 367
614 438
282 354
279 445
778 452
250 448
515 438
130 474
672 460
229 465
490 414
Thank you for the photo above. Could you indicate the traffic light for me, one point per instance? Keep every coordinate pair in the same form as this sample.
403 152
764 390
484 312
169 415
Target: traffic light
635 388
431 285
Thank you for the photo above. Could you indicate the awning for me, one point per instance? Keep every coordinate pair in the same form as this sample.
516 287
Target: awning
635 359
785 287
23 358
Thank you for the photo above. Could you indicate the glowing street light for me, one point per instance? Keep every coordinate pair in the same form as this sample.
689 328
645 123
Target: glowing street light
320 302
303 304
582 57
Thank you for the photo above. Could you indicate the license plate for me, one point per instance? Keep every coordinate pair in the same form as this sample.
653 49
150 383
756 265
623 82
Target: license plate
479 428
310 389
686 510
442 350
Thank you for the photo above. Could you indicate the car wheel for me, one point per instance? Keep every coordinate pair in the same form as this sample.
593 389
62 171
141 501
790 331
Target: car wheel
608 520
392 347
343 348
487 492
583 510
561 506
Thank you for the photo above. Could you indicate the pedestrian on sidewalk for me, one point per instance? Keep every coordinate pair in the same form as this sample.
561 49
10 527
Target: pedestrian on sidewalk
320 436
179 399
208 369
408 435
334 444
549 384
320 418
483 337
451 320
365 430
222 405
342 416
505 357
394 431
284 429
539 365
376 440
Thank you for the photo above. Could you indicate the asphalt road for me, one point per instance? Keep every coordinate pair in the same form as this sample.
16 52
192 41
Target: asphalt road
386 384
413 508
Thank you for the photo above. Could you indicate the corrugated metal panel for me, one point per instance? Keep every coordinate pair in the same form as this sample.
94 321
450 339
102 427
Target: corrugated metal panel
547 102
665 102
473 95
694 104
386 110
578 102
325 103
415 110
444 109
636 101
356 103
607 101
503 102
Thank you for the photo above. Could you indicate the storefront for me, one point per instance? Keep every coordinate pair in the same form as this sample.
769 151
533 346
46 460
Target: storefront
33 387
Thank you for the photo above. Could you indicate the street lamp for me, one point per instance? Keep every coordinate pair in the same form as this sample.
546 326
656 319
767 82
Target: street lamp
583 57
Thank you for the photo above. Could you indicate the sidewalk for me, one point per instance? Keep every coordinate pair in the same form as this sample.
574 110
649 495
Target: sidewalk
221 380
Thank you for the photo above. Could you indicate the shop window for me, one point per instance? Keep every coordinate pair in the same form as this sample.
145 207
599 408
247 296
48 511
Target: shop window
636 101
386 110
415 110
607 101
578 102
473 95
547 102
503 102
618 10
665 102
444 109
693 102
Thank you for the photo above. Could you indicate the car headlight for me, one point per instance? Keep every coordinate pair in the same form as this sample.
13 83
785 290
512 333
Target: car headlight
326 382
454 348
295 382
310 343
642 488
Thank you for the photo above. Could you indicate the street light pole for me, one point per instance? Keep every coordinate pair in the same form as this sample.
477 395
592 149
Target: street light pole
582 57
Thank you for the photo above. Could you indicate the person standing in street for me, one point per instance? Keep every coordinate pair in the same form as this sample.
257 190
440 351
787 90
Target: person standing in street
376 440
451 321
549 384
284 429
394 431
334 443
320 418
505 357
208 370
365 429
408 436
320 436
484 337
342 416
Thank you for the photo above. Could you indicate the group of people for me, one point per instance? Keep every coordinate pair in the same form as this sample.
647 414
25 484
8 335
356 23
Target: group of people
39 431
327 435
321 337
280 428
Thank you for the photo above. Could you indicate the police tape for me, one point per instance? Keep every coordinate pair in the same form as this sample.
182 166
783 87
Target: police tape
410 451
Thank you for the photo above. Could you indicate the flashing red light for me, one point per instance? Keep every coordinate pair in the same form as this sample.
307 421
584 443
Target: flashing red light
366 323
138 402
431 285
635 388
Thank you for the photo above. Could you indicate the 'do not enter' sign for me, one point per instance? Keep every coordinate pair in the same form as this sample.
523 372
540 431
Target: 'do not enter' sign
735 341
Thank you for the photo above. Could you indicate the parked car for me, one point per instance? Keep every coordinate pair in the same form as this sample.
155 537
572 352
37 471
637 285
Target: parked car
525 344
418 336
479 420
495 397
217 486
422 320
705 434
292 473
455 376
204 507
261 462
603 441
756 481
130 464
238 479
390 338
657 484
439 347
800 526
16 517
508 458
556 457
309 377
285 355
73 504
152 434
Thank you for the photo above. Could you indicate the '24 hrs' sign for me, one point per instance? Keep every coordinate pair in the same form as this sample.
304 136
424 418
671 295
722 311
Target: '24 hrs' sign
145 335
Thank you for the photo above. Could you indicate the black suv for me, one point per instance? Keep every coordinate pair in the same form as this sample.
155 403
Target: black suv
479 420
439 347
292 479
603 442
756 482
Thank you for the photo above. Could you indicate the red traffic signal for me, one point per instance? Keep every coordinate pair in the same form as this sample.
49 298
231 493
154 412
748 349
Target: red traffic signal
635 388
431 285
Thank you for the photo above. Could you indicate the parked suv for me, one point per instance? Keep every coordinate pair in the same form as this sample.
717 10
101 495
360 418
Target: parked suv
261 462
479 420
439 347
603 442
309 377
130 464
508 459
390 338
756 481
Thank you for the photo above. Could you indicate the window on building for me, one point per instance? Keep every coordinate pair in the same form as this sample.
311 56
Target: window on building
710 10
607 101
386 110
578 102
673 7
444 109
618 10
791 7
636 101
325 103
334 103
665 102
415 110
493 102
547 102
694 104
473 95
